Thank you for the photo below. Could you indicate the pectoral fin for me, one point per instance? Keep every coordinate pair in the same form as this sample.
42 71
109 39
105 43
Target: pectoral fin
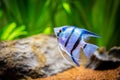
66 56
72 58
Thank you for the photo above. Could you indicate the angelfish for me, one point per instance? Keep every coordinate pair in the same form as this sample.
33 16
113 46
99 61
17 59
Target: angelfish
72 39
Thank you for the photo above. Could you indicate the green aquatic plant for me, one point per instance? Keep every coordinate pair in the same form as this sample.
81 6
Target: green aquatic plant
39 16
96 16
34 14
11 31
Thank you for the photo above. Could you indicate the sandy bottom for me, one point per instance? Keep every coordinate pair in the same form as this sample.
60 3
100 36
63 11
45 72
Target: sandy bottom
80 73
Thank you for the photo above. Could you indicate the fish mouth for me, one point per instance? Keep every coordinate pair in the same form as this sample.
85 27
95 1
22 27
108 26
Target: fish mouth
56 30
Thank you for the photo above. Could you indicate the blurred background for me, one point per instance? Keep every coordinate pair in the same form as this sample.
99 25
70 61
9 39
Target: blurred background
23 18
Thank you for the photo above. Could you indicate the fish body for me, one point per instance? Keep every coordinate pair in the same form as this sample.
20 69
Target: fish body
72 39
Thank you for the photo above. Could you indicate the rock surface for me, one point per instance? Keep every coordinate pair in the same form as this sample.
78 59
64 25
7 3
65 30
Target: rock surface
37 57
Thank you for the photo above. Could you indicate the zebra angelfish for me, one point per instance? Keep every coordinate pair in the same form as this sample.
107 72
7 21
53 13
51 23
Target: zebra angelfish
72 39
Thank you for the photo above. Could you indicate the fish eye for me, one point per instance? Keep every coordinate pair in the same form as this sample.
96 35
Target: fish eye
60 31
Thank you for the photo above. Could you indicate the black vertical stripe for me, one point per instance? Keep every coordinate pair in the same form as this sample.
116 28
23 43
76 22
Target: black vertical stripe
84 46
69 37
75 61
76 43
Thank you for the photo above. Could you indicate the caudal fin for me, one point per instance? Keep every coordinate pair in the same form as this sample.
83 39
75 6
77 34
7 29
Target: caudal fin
89 49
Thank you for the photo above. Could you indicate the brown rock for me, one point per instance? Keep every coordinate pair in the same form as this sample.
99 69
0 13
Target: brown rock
35 56
38 57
